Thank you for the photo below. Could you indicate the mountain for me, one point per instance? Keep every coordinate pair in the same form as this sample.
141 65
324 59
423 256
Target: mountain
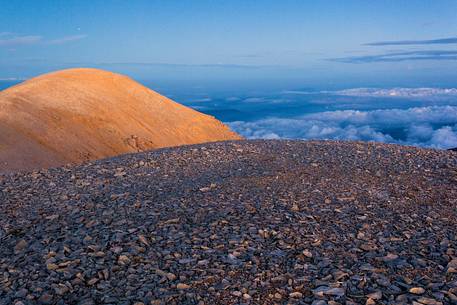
235 222
84 114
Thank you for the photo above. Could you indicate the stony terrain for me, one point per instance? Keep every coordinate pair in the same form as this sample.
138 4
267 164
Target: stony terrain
242 222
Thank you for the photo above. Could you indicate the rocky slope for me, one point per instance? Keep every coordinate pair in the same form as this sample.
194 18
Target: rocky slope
238 222
77 115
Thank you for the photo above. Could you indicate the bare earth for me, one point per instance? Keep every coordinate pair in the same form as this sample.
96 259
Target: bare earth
77 115
259 222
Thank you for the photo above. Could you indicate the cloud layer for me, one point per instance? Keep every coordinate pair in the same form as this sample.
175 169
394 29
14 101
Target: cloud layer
400 92
66 39
400 56
450 40
434 126
412 55
8 39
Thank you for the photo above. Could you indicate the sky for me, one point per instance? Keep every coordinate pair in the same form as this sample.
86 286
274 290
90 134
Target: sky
269 69
347 43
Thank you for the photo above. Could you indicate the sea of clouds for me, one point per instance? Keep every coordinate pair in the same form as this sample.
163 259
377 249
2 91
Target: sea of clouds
432 126
423 93
400 92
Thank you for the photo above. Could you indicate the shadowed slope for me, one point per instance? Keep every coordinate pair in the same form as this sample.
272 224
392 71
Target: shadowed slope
84 114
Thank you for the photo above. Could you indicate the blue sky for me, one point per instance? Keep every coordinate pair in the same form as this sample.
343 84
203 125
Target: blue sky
404 42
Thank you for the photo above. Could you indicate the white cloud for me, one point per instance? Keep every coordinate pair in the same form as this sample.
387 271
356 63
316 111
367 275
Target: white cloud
399 92
423 93
265 100
434 126
201 100
67 39
298 92
10 41
254 100
445 137
12 79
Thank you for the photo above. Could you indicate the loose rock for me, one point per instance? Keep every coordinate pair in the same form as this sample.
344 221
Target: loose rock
235 222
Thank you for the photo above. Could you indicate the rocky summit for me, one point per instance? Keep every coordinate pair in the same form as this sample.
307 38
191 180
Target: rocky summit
82 114
238 222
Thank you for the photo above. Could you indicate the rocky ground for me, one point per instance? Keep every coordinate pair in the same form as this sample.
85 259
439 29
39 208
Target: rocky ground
245 222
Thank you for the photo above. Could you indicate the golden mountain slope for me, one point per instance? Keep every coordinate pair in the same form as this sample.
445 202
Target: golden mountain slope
76 115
